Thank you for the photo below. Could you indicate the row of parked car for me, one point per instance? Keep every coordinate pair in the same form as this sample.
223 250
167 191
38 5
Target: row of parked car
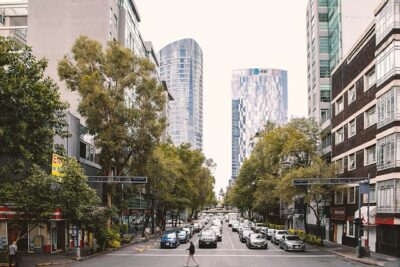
173 238
255 235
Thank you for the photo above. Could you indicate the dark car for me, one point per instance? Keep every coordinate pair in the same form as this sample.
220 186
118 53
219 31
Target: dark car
257 241
292 242
183 236
170 239
208 238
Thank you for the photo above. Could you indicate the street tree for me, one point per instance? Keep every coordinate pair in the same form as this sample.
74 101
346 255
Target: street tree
33 199
313 196
121 101
31 112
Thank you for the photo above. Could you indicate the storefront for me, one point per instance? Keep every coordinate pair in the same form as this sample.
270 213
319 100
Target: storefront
338 220
388 235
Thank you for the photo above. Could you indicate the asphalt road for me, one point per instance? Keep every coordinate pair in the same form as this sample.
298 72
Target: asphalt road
230 252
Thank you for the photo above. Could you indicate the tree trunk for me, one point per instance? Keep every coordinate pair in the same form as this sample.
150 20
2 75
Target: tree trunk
305 218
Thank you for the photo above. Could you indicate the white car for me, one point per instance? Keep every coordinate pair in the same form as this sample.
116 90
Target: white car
278 236
217 231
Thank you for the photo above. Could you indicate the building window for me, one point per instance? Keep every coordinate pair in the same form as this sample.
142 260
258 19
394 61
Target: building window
370 117
387 197
326 141
351 195
386 148
339 136
340 165
352 128
370 155
322 3
386 107
350 229
323 21
372 195
351 161
87 151
339 197
325 115
339 105
370 79
324 44
2 19
325 91
387 62
115 21
324 69
387 19
352 94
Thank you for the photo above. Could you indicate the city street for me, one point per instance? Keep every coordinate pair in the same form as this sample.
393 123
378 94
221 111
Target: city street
230 252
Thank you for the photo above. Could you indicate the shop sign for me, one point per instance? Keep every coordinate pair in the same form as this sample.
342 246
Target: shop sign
338 213
384 220
56 165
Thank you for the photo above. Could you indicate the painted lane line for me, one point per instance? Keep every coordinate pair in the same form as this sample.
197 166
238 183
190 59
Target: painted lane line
220 255
230 239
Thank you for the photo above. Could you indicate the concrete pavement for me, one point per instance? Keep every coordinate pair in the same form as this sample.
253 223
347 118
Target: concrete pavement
230 252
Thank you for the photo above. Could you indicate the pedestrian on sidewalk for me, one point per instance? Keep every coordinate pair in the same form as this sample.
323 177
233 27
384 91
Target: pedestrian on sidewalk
147 233
191 254
12 254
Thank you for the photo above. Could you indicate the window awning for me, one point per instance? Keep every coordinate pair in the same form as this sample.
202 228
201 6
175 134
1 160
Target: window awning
364 217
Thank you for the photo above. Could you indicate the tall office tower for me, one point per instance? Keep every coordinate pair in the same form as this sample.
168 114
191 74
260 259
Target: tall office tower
333 26
181 66
258 96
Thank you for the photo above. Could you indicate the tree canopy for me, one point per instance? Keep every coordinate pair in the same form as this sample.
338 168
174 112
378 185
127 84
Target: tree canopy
31 112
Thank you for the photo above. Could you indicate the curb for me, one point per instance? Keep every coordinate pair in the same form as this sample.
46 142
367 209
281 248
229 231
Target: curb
360 260
90 256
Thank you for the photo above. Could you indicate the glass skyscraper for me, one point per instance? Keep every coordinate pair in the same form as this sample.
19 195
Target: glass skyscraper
181 66
258 96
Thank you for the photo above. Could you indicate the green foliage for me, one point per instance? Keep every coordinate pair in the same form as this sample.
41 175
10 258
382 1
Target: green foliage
31 112
76 199
276 226
308 238
121 101
33 198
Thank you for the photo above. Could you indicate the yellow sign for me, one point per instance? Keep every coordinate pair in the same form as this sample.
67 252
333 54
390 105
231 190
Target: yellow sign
56 165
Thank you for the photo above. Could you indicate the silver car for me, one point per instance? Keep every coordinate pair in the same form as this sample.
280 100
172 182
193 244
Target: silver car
278 236
257 241
292 242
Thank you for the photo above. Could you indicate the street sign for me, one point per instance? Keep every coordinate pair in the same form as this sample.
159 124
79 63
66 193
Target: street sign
118 179
327 181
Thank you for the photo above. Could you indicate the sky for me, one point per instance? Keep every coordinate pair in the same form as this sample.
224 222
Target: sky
233 34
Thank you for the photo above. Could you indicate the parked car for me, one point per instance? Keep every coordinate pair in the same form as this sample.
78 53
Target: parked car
189 229
245 235
257 240
292 242
235 227
170 239
217 231
257 227
270 233
263 231
278 236
196 227
208 238
183 236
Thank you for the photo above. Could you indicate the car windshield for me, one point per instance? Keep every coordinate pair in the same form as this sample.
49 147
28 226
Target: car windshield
169 235
183 232
256 236
208 234
292 237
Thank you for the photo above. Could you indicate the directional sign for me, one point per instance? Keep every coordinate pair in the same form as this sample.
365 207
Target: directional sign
118 179
327 181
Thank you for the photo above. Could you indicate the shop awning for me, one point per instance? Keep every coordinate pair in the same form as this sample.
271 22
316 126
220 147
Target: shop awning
364 217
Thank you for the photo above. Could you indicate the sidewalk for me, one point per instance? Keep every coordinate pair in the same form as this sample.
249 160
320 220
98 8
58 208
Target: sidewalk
31 260
347 252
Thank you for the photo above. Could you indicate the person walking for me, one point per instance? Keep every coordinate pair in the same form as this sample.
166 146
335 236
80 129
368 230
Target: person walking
12 254
191 254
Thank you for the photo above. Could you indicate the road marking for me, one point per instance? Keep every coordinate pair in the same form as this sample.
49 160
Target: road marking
220 255
230 239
